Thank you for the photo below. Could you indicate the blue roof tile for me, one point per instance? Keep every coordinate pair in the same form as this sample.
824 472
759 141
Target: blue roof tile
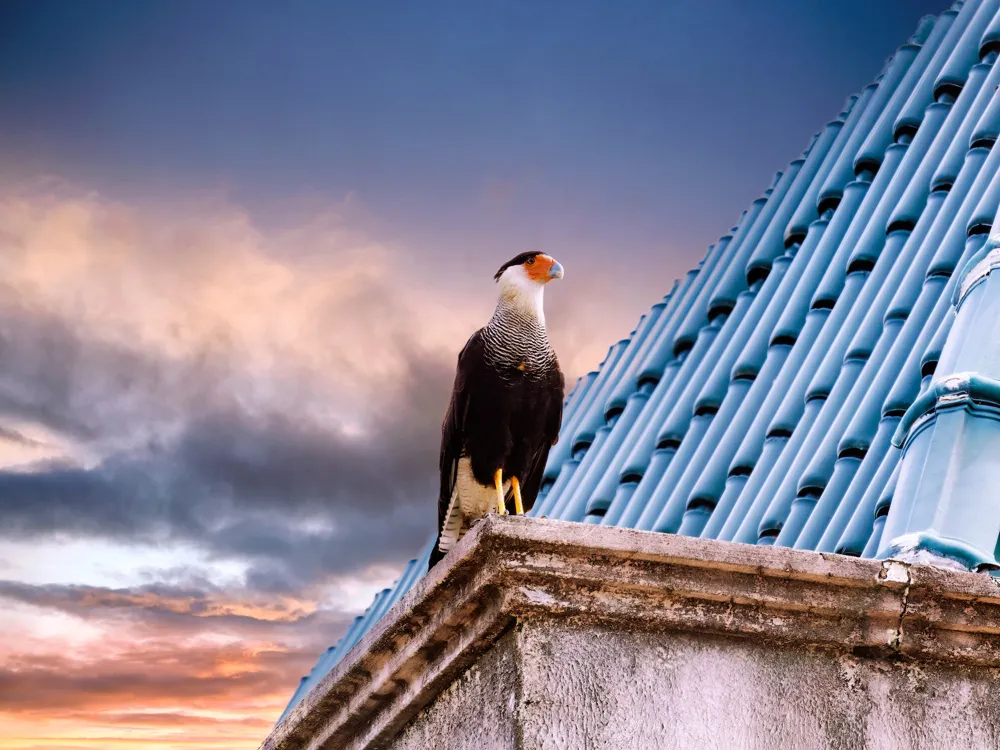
824 379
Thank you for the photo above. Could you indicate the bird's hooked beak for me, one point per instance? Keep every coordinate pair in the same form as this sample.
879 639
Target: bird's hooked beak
555 270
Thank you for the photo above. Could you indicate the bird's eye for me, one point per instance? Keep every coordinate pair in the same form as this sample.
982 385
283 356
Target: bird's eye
529 262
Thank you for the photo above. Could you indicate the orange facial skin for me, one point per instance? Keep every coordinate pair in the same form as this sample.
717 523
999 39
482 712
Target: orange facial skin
538 268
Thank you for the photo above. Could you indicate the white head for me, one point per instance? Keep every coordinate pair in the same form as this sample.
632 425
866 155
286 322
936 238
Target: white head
522 280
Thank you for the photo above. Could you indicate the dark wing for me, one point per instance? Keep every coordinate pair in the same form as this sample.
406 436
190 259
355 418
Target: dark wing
453 428
553 404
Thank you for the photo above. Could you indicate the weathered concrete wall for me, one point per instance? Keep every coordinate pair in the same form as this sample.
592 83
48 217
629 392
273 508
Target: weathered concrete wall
476 712
535 634
586 686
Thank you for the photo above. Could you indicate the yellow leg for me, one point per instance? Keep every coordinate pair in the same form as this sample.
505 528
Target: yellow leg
498 480
516 486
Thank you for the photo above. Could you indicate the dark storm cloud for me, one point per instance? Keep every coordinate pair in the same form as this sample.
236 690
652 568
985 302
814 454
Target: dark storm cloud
257 457
16 437
216 386
236 483
42 361
291 493
226 388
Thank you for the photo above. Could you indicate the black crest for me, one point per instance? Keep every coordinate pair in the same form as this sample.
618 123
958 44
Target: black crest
515 261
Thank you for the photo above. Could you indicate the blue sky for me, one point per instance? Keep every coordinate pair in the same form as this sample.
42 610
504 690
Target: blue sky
242 244
468 126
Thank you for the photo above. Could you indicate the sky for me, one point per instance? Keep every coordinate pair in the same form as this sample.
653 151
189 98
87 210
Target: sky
241 244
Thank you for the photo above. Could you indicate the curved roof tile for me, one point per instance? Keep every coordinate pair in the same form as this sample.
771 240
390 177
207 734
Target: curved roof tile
786 391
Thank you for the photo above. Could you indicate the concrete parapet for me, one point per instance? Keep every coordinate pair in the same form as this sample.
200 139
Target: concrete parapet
539 634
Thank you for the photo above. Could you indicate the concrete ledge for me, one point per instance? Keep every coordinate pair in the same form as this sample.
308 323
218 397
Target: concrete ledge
515 569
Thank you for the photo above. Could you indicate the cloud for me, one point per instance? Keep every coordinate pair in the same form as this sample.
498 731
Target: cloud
202 603
269 394
187 376
181 696
179 663
157 675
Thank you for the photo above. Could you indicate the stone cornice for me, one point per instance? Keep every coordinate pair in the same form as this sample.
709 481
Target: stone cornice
511 568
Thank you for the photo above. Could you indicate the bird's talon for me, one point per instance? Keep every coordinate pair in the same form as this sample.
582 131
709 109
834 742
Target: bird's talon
498 480
518 505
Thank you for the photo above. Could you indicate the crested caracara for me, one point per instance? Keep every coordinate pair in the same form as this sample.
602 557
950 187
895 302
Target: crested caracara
505 408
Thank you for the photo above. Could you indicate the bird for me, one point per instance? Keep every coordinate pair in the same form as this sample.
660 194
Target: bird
505 408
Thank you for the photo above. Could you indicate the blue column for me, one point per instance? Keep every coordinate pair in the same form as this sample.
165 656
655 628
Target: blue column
946 506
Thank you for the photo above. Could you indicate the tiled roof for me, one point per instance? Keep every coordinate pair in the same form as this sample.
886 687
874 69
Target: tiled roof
823 379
